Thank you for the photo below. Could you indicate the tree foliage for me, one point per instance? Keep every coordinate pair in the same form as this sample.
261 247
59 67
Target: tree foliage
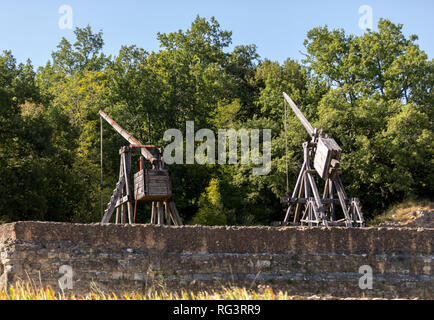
372 93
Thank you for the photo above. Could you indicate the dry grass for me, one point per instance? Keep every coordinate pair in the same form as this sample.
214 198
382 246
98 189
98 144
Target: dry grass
407 213
26 291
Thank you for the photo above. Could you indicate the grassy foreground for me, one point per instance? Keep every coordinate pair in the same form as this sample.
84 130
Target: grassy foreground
28 292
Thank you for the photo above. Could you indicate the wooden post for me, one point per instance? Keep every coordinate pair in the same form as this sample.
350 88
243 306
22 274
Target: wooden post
160 213
167 213
126 156
300 193
341 195
294 193
153 212
175 213
332 205
123 220
117 215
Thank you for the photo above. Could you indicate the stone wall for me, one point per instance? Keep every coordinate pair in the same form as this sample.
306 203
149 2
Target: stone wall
299 260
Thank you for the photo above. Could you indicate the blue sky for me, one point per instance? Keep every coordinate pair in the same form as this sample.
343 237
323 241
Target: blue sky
30 28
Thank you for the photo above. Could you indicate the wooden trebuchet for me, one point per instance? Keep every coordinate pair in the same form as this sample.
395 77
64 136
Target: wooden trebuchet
305 203
150 185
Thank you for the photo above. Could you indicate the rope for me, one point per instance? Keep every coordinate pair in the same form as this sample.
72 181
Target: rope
286 151
101 185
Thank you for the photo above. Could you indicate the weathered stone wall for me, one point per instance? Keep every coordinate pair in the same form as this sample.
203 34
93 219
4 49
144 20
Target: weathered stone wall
300 260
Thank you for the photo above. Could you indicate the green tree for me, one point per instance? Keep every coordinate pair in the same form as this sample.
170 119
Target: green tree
36 181
83 55
376 79
211 210
372 93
